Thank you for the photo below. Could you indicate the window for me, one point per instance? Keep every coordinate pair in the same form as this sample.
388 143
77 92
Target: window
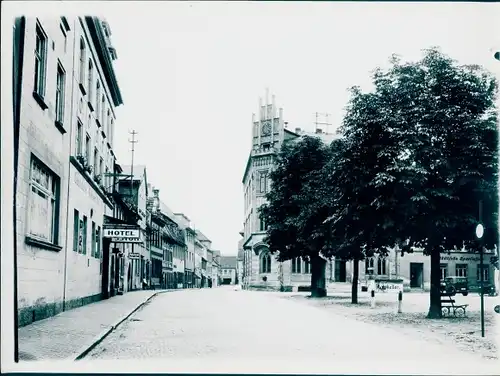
100 167
444 271
98 102
262 224
87 148
296 265
369 265
461 270
40 60
93 240
90 79
79 135
381 266
60 85
43 203
108 125
485 272
98 242
307 267
84 234
76 230
63 31
82 61
96 161
103 110
265 263
262 183
111 132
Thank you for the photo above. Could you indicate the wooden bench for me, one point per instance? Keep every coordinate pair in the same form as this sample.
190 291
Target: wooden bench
449 308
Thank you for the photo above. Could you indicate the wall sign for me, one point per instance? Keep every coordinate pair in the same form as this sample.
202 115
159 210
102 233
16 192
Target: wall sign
123 233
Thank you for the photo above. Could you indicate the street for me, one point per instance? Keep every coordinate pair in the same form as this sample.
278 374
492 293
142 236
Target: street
217 324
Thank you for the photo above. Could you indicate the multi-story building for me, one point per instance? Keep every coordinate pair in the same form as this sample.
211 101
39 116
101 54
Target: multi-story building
133 188
189 261
228 269
210 261
66 92
269 133
204 246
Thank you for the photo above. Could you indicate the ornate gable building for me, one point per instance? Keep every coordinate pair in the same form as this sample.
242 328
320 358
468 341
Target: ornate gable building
260 269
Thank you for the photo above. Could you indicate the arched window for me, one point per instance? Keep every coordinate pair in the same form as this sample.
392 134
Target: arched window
82 61
296 265
381 266
307 267
265 262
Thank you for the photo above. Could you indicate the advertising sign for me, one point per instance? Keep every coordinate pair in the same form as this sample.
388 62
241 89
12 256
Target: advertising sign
123 234
391 286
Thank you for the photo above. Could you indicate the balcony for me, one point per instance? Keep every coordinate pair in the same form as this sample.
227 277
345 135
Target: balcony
80 162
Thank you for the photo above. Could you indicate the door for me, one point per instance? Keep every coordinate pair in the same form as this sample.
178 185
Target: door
416 275
340 271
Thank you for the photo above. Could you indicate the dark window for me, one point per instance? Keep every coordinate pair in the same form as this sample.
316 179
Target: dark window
76 230
40 61
60 86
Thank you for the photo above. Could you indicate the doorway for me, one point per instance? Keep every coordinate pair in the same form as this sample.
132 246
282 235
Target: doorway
416 275
340 271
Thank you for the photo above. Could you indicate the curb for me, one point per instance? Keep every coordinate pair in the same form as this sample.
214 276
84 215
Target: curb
100 337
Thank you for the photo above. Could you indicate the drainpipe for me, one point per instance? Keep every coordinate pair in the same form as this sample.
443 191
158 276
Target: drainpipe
69 174
17 76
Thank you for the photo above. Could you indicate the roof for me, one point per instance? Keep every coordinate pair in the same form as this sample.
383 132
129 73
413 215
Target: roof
228 262
202 237
139 171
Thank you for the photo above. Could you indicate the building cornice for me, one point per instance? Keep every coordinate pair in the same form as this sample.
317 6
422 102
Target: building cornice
95 29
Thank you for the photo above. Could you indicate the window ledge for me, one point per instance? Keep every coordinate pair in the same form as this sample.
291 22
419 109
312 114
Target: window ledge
42 244
91 107
82 89
60 127
39 99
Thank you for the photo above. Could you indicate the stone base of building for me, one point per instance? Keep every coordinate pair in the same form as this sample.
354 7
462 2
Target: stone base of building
28 315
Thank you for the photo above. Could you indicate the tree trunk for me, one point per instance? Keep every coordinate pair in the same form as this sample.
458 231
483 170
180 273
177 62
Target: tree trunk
355 279
318 281
435 295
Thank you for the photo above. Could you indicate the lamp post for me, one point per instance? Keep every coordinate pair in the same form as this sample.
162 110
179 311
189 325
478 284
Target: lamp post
479 235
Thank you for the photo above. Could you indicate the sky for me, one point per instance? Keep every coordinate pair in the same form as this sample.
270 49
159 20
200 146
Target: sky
191 75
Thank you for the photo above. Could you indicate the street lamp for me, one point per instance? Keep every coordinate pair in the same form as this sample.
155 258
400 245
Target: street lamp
479 235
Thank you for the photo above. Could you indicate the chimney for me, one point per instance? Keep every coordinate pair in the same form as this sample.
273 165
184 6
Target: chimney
297 130
318 130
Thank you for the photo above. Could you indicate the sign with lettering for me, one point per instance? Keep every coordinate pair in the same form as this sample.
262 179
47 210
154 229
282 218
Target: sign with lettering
393 286
133 255
123 233
460 258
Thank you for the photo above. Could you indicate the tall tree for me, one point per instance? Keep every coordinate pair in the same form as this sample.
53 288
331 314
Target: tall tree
438 158
297 208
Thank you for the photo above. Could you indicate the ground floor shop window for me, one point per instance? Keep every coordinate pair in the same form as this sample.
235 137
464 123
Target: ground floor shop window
296 265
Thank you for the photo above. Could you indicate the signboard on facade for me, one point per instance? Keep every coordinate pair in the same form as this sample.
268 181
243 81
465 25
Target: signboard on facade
133 255
123 233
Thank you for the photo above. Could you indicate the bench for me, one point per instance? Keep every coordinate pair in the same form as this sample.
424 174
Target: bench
449 308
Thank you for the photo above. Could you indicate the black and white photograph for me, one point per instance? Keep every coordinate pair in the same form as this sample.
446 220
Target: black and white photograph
250 187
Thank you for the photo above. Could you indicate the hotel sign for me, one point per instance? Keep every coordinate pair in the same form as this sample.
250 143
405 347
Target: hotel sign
123 233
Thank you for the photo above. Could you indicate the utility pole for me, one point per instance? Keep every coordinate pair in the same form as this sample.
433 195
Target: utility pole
132 141
319 124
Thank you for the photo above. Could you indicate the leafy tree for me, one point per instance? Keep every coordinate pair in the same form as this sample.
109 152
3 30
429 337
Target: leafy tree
297 207
363 189
436 152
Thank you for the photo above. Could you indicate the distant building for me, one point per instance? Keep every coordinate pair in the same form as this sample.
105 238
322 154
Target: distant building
259 268
189 262
228 265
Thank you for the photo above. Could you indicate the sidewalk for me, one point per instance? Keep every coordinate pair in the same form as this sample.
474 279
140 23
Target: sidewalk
71 334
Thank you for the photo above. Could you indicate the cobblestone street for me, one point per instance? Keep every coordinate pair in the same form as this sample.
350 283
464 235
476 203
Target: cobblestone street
223 323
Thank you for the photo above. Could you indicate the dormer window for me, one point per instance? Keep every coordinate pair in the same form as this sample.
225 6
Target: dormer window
266 147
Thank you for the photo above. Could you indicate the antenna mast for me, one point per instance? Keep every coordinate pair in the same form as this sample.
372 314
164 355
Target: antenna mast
325 117
133 141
